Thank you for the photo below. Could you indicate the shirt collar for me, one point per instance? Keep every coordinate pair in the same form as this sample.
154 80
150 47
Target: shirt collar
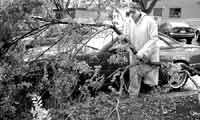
138 21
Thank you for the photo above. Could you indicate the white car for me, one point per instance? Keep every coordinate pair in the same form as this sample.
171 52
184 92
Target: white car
178 31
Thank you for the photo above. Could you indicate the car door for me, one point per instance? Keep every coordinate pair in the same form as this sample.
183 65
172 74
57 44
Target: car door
171 49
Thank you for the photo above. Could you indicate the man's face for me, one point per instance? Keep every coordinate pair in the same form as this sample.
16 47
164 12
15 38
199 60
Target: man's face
134 10
134 13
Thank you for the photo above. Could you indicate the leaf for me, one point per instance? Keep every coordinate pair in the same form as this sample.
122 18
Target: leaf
24 85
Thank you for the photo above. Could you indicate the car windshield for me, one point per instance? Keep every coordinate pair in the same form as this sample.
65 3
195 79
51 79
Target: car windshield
166 41
179 29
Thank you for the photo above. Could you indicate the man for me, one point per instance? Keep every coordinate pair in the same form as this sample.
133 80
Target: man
142 32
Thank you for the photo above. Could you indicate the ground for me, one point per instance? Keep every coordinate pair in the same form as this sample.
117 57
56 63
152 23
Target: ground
170 106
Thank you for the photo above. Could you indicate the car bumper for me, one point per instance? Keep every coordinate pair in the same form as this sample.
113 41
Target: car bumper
182 36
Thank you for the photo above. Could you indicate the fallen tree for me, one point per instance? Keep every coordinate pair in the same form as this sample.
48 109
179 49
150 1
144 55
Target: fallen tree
56 84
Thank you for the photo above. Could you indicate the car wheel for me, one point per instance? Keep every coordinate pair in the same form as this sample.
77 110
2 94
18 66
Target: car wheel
179 77
189 41
198 38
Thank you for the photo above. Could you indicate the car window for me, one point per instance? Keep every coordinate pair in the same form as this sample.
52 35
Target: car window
186 29
190 30
166 41
177 29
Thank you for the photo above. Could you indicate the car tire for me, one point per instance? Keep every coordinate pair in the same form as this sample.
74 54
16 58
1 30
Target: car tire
178 79
198 38
189 41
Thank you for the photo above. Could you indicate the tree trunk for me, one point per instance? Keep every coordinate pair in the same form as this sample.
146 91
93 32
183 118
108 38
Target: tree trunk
148 5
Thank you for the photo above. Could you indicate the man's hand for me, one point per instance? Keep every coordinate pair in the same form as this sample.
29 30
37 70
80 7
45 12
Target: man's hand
140 55
122 39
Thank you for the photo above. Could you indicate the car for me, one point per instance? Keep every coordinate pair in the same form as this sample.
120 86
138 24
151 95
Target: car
177 53
178 31
198 35
171 51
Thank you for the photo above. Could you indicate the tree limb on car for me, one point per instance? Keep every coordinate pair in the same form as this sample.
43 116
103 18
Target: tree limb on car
104 48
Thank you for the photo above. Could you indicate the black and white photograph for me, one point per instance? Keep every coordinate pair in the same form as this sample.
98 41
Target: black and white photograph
99 59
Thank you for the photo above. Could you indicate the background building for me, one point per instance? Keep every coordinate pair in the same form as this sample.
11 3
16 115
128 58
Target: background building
182 10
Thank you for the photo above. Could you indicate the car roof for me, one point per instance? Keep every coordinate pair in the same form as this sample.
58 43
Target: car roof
174 43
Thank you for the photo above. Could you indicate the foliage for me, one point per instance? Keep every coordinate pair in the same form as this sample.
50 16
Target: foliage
64 86
12 92
37 111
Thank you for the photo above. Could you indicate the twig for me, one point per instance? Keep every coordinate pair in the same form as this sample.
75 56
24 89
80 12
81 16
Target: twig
69 116
31 32
116 108
122 81
187 67
195 83
50 47
84 44
156 64
53 21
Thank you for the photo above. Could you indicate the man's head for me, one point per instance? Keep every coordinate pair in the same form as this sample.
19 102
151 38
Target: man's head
134 9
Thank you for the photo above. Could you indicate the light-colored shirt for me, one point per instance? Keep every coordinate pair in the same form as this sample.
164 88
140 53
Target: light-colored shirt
143 35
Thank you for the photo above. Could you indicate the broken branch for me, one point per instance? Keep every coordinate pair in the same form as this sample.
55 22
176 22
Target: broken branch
116 108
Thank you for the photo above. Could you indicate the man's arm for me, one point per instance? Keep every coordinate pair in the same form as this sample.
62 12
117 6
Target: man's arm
121 36
153 37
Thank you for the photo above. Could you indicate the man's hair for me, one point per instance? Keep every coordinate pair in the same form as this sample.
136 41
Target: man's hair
135 5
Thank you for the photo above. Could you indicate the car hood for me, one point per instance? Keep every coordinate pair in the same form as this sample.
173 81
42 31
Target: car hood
190 46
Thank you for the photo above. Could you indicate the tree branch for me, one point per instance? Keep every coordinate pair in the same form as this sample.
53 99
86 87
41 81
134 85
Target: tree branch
67 4
113 27
142 4
54 21
149 9
49 47
84 44
31 32
116 108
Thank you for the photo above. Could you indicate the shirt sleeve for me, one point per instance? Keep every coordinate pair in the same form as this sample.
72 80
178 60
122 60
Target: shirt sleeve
125 27
148 47
153 31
